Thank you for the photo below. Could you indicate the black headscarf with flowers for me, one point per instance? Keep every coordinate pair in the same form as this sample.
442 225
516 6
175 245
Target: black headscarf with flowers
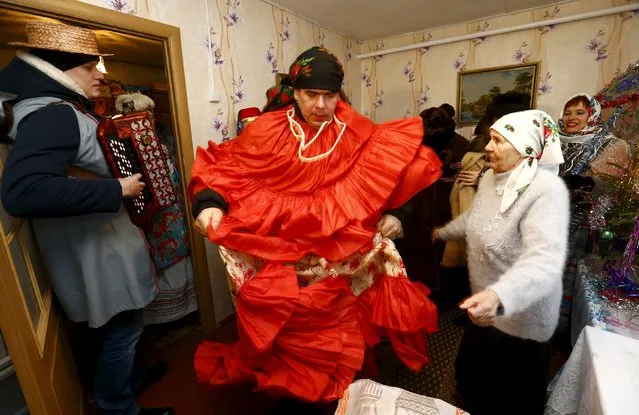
316 68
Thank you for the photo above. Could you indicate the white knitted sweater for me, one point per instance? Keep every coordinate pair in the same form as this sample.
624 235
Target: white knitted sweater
519 254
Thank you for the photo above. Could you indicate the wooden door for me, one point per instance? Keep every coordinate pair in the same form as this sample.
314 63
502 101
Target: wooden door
31 325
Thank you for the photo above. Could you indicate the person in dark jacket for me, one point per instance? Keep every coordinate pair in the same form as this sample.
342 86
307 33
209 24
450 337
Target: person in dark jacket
57 176
431 207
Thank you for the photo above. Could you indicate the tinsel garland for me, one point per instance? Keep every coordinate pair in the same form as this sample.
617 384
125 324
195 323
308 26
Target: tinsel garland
622 283
619 101
598 284
578 217
623 85
597 213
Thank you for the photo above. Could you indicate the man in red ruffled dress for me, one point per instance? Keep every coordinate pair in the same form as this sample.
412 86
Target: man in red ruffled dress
304 205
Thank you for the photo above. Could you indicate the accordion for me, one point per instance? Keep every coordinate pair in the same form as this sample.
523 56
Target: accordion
131 146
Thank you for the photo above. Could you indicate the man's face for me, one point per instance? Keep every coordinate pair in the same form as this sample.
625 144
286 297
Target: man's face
88 77
317 105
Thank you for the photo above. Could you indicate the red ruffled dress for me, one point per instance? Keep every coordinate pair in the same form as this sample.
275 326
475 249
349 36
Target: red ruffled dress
307 337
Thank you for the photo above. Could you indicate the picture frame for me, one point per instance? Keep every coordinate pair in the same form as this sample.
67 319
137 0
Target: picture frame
279 76
476 88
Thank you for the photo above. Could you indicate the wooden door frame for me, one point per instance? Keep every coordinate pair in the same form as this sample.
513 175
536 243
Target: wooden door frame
97 17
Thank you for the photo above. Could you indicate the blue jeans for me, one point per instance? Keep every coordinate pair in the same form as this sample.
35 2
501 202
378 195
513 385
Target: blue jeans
114 369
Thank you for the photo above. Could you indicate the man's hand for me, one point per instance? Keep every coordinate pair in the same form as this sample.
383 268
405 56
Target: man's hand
482 307
390 227
132 186
208 217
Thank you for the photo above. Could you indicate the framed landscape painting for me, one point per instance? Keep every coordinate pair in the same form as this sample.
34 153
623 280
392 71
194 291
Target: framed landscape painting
476 88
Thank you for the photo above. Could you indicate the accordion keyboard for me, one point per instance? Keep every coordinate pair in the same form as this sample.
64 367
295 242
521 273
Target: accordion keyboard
128 166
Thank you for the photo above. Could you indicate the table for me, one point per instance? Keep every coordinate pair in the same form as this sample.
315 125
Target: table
590 309
601 376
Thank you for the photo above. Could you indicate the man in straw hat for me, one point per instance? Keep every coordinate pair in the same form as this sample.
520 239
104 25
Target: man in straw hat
97 259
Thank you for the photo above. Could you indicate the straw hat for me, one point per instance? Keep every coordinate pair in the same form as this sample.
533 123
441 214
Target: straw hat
60 37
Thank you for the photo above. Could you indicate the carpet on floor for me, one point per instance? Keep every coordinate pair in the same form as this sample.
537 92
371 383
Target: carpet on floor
437 379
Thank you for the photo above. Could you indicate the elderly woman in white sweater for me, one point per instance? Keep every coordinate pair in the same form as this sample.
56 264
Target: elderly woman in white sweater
516 232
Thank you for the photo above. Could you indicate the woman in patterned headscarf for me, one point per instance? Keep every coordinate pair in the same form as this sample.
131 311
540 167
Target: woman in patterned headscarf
580 124
303 204
590 151
516 232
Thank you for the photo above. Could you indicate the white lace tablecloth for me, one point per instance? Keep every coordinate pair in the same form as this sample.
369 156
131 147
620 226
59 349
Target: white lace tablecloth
601 377
590 309
366 397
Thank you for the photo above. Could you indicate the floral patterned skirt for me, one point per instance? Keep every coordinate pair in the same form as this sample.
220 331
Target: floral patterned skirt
305 327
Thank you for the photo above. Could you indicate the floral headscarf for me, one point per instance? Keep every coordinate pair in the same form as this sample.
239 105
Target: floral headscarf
582 147
315 68
535 135
592 125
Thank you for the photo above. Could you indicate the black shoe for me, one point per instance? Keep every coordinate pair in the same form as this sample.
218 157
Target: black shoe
157 411
150 376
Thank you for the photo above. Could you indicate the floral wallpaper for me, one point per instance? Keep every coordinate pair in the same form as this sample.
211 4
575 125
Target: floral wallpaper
248 42
574 57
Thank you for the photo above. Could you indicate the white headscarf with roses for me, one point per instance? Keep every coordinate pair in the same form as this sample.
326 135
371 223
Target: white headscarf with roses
535 135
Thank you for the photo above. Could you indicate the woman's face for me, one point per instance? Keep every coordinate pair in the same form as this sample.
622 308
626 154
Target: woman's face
575 118
502 156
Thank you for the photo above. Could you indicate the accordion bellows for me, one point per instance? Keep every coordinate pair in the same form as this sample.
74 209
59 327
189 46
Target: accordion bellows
131 146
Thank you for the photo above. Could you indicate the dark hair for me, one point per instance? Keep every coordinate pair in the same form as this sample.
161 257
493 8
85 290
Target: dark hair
478 144
63 60
581 99
506 103
483 127
502 104
448 109
512 97
439 128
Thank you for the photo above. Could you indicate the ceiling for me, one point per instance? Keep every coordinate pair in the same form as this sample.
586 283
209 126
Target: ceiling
376 19
126 48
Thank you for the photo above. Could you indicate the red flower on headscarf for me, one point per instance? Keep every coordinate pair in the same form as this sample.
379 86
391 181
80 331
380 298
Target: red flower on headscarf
306 71
295 71
271 93
301 67
284 97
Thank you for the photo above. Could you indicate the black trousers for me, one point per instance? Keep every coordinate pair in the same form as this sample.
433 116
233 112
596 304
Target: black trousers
500 374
